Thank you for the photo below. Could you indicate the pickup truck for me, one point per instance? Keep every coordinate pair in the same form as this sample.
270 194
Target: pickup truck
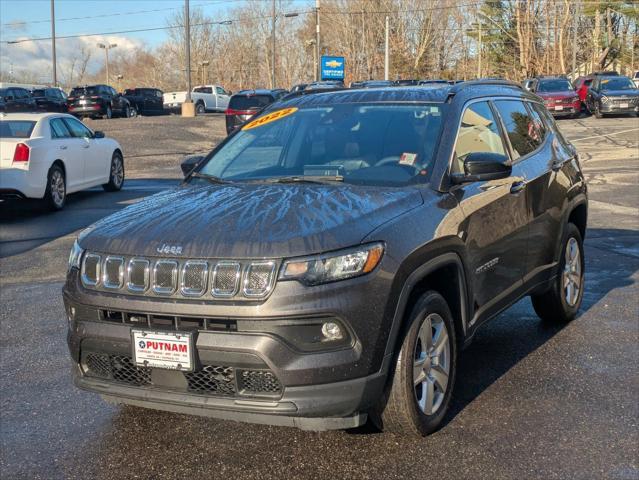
635 78
207 98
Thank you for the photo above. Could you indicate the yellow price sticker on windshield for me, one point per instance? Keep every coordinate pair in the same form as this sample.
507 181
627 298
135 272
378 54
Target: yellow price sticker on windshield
271 117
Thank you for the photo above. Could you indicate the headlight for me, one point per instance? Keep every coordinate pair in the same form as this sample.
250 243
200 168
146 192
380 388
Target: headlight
333 266
604 99
75 256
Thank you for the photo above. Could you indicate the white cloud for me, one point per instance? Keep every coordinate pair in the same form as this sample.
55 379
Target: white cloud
34 58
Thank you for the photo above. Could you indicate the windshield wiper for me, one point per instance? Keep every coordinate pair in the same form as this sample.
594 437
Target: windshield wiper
210 178
303 179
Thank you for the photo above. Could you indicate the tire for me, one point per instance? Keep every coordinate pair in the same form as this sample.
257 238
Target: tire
116 174
200 108
127 112
133 111
559 304
410 406
598 113
55 195
108 112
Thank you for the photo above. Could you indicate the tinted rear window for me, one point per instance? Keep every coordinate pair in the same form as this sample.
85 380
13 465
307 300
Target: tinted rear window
38 93
76 92
242 102
16 128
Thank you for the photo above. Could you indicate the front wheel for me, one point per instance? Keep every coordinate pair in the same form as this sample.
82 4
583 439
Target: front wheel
127 112
116 175
109 112
598 113
561 302
418 397
133 111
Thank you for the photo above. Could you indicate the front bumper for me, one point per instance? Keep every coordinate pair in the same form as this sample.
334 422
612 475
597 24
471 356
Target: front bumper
316 389
564 110
616 109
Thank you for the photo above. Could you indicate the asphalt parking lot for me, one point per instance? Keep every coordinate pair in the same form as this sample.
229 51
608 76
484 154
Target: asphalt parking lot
531 401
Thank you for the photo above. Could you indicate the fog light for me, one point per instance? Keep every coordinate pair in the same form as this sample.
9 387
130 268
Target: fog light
331 331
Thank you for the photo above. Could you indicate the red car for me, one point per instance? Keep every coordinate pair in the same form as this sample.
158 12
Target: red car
559 96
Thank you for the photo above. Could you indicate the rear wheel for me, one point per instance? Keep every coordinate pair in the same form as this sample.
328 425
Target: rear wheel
424 376
116 175
561 302
55 195
108 112
200 108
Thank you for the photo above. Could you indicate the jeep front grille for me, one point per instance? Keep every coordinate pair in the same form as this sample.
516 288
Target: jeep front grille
189 278
217 380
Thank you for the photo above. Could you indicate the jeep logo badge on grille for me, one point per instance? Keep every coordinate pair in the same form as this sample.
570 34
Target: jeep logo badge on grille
170 249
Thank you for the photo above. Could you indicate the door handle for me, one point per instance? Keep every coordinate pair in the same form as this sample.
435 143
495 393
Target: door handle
63 147
517 187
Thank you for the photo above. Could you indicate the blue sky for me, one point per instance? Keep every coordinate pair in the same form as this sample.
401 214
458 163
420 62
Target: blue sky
21 19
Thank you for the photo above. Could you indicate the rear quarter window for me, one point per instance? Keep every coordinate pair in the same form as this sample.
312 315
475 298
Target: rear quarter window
16 128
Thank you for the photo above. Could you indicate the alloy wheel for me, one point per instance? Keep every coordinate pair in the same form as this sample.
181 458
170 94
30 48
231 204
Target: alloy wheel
117 171
57 187
571 276
431 364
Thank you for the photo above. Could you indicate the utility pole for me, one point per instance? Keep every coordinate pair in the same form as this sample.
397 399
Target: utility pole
107 47
318 71
386 52
188 109
479 49
273 49
54 70
574 41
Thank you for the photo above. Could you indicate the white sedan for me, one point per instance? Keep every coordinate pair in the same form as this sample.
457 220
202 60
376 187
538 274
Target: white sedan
49 155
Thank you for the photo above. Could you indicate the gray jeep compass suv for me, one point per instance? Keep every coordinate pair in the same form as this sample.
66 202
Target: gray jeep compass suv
328 261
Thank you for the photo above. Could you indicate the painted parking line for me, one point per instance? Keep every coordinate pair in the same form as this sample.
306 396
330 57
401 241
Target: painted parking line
604 135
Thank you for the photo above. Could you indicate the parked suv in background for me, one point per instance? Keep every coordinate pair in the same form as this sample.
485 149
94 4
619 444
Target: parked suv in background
16 99
144 101
614 94
50 99
246 103
559 95
326 264
97 101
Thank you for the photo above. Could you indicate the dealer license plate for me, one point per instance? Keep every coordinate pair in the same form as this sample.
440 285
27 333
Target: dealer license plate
623 105
83 102
168 350
559 108
175 104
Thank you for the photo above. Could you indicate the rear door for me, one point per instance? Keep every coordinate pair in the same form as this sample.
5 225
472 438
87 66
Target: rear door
496 214
70 151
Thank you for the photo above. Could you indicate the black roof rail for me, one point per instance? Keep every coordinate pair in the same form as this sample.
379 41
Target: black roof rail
311 91
485 81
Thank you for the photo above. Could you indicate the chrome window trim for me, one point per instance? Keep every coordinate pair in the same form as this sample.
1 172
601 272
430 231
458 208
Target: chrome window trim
238 276
85 280
270 285
174 278
107 284
134 288
189 292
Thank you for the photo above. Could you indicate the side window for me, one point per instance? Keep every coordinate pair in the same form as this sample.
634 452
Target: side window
21 93
220 91
478 133
77 128
59 129
539 125
158 94
520 127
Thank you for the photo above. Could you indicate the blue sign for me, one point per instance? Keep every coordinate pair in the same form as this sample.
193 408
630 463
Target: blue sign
332 68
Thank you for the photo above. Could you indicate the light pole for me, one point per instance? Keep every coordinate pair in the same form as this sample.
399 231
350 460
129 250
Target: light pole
318 74
107 47
55 72
386 56
203 65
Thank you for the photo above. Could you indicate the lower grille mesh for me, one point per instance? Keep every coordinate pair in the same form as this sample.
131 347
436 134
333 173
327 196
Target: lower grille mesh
210 380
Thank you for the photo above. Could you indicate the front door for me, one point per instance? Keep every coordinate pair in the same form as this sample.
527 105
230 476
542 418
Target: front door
496 215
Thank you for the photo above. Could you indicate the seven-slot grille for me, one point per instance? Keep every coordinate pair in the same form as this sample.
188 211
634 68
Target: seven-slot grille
189 278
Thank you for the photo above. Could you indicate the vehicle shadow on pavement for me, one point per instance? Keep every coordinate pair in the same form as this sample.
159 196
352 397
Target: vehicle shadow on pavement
503 342
26 224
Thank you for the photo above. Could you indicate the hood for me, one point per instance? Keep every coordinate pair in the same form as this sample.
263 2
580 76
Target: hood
556 95
248 220
621 93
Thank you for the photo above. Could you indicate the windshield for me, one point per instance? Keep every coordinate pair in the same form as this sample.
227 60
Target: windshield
617 83
376 144
16 128
554 86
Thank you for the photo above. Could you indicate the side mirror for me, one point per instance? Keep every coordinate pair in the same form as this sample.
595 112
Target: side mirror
482 167
189 163
98 134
